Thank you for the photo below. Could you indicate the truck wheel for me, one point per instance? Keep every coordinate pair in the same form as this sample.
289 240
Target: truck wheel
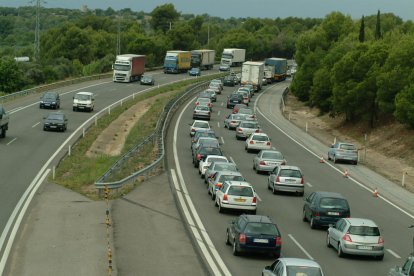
3 132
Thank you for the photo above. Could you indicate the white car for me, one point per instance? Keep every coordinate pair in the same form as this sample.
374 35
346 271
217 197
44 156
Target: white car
293 266
204 164
215 182
238 195
84 101
198 124
258 141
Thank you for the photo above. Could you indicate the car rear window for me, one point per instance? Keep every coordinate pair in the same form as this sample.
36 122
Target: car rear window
347 147
290 173
225 167
245 111
203 107
333 203
261 228
214 159
201 124
249 125
364 231
231 178
260 138
211 151
272 155
240 191
303 271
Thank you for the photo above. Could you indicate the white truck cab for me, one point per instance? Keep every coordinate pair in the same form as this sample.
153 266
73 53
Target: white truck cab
84 101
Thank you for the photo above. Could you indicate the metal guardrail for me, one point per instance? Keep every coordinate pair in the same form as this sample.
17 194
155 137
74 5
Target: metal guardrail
156 137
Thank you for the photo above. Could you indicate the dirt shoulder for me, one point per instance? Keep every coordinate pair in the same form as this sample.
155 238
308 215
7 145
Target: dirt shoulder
388 149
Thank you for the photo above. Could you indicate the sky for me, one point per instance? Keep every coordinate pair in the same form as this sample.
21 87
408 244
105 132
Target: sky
243 8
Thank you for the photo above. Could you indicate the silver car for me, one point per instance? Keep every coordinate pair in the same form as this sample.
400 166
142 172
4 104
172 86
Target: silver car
198 124
204 101
293 266
233 120
204 164
267 160
247 111
343 152
356 236
214 183
218 167
286 179
245 128
202 112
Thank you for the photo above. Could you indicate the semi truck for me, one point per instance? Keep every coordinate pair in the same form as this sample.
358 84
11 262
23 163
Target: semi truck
233 57
269 73
177 61
280 65
128 67
252 72
203 59
4 122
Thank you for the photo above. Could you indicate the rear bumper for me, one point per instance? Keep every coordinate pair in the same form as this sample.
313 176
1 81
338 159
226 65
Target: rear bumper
289 188
260 249
352 250
238 207
325 221
266 168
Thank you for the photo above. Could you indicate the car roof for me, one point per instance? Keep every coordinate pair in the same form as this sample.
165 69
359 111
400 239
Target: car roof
329 194
299 262
229 173
217 156
287 167
361 222
257 218
84 93
259 133
238 183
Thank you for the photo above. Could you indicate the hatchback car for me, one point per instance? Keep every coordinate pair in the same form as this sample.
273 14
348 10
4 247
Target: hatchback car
293 267
323 208
216 181
229 81
245 128
83 101
204 101
285 178
237 107
198 124
254 233
233 120
55 121
219 166
202 112
247 111
217 81
234 99
343 152
50 100
204 164
204 141
202 133
202 152
245 95
224 67
194 72
209 93
356 236
267 160
147 80
236 195
258 141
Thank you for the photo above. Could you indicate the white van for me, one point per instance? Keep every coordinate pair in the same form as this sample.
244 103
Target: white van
83 101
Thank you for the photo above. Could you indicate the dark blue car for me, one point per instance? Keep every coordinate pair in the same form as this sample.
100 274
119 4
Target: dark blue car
194 72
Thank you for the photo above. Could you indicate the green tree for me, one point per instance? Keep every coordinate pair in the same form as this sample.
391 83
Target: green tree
378 34
404 106
362 30
10 76
163 17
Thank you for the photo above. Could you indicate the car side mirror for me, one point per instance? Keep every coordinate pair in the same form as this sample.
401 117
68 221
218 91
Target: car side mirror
190 124
267 267
331 226
332 146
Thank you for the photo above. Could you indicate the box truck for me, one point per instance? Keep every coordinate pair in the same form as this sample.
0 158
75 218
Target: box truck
177 61
280 65
269 73
128 67
252 72
233 57
203 59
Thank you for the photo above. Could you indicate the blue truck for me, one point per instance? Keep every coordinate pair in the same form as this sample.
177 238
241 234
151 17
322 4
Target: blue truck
280 65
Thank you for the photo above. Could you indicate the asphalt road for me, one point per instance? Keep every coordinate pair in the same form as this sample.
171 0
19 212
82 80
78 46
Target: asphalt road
28 153
299 240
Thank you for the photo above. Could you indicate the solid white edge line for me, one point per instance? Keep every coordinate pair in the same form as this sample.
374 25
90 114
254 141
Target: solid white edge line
300 247
310 185
14 139
189 201
333 167
35 124
18 221
394 254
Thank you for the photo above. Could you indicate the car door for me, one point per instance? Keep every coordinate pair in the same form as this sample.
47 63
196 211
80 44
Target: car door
239 224
307 205
335 233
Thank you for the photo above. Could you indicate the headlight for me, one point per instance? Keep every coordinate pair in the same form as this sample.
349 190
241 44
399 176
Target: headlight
41 101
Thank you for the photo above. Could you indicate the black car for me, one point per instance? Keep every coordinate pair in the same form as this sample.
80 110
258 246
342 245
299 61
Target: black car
324 208
55 121
147 80
254 233
202 152
229 81
50 100
194 72
234 99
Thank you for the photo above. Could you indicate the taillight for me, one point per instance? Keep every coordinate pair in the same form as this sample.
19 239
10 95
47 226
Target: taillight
218 185
278 240
347 238
262 163
242 238
251 142
193 129
381 240
277 179
240 129
302 181
268 143
209 113
198 157
316 214
257 131
197 103
254 199
225 197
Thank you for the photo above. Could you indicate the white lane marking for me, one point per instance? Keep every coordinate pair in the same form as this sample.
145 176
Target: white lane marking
14 139
394 254
222 140
218 124
218 113
333 167
310 185
258 197
35 124
199 223
232 160
300 247
222 103
36 185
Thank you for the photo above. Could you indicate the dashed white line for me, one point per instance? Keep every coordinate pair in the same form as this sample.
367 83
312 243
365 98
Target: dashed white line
310 185
218 124
218 113
300 246
222 103
258 197
232 160
394 254
222 140
11 141
35 124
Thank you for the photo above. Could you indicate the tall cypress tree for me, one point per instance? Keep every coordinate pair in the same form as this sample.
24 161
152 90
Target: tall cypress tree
362 30
378 34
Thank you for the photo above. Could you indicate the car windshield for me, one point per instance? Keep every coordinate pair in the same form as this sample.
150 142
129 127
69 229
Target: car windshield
260 138
303 271
57 117
290 173
261 228
231 177
333 203
49 96
201 124
225 167
347 147
245 111
240 191
203 107
249 125
82 97
364 231
210 151
148 78
272 155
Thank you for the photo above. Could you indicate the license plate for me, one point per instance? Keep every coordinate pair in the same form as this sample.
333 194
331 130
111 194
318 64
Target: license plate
333 213
81 107
364 247
47 104
259 142
261 240
235 101
290 180
240 199
270 163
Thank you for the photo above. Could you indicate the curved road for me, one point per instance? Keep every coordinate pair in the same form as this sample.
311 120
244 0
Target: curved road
299 240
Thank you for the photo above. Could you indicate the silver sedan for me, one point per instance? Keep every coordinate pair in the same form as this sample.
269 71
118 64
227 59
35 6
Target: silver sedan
233 120
267 160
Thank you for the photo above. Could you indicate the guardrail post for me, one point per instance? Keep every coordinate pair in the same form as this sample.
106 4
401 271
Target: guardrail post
53 172
121 102
109 110
69 150
306 127
83 133
133 95
403 179
96 121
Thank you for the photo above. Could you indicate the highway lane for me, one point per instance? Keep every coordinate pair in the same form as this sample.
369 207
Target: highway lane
27 148
298 239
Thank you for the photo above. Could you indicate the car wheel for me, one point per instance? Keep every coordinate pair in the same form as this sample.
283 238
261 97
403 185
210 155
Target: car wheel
254 212
254 166
380 257
227 238
334 159
237 137
301 193
328 243
215 203
329 157
312 223
355 162
340 252
221 209
304 215
199 173
213 196
235 250
74 109
268 184
273 189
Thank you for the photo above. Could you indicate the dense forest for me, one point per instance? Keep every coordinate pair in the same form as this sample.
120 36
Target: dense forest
362 69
